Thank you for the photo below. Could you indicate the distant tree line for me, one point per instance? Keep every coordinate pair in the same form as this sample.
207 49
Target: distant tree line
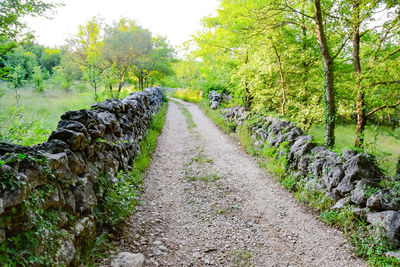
103 55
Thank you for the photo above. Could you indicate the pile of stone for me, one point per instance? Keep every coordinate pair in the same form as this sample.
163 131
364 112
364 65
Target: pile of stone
234 114
348 178
86 145
215 99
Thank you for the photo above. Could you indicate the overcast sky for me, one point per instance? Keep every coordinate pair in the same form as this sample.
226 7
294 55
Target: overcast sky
176 19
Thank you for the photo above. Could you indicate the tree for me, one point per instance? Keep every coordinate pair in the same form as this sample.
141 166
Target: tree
126 48
384 51
12 12
85 50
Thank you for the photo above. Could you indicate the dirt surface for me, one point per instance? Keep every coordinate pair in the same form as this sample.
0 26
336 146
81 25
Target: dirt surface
207 203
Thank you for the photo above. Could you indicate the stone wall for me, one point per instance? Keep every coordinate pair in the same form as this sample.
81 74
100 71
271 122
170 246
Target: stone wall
349 178
55 182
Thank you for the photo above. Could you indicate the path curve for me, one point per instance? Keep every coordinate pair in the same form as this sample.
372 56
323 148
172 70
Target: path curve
207 203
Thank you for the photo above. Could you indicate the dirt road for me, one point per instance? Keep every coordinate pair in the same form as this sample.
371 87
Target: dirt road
207 203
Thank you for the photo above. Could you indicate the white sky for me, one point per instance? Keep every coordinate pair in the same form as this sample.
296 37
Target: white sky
175 19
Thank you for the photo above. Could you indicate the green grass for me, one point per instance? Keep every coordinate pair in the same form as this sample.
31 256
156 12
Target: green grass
189 118
43 110
215 116
378 141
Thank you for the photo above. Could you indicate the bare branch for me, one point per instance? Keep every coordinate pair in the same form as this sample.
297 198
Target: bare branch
374 110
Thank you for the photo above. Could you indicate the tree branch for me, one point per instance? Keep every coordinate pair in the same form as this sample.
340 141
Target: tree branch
374 110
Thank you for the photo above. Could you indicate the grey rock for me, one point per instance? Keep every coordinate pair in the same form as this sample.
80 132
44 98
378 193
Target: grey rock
85 197
58 164
66 251
75 140
303 164
388 221
384 199
126 259
316 167
348 154
301 146
84 230
318 149
76 162
393 254
341 203
333 177
358 195
214 104
362 167
315 185
53 199
69 205
360 212
344 187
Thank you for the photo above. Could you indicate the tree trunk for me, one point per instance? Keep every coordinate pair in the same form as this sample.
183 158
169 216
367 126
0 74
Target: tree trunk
120 87
361 118
248 98
283 80
329 93
398 169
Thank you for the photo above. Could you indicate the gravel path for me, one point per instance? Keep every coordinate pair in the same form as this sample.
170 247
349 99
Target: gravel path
207 203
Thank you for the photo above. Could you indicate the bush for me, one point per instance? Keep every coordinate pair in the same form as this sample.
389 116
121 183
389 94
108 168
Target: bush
38 78
15 129
189 95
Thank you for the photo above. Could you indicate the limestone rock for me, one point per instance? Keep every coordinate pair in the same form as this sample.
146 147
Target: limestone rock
85 197
389 221
341 203
126 259
384 199
358 195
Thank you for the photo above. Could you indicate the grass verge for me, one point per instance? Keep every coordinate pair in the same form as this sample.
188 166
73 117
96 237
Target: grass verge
189 118
28 117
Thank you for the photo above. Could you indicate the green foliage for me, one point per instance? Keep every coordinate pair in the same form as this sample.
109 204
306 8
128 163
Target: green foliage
61 79
17 76
14 128
38 78
379 142
119 200
188 95
38 245
215 116
13 12
373 245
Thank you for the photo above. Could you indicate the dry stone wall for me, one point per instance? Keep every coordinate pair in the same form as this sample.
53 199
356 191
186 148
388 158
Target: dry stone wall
350 178
61 177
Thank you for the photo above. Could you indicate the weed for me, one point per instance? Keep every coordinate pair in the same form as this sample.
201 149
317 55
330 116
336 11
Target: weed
242 258
200 159
289 183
